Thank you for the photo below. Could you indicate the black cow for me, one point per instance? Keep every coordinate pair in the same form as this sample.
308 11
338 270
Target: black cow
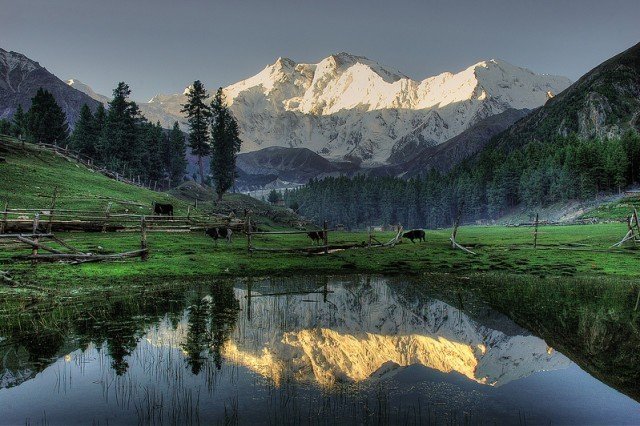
316 236
415 234
219 233
161 209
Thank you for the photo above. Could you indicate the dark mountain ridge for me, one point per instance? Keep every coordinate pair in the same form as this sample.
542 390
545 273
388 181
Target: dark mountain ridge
20 79
603 103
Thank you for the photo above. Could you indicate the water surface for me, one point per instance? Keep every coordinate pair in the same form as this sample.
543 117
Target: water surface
301 350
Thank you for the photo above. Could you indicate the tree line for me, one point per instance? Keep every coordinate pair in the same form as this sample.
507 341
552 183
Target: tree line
118 138
486 186
121 139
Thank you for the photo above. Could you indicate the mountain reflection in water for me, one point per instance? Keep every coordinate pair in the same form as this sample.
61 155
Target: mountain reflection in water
344 349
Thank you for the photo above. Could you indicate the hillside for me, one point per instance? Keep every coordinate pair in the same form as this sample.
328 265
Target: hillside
30 174
602 103
288 164
20 79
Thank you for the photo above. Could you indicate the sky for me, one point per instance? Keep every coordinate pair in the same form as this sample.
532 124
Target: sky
160 46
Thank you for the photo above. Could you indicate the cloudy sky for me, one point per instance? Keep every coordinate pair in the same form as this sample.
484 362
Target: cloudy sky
159 46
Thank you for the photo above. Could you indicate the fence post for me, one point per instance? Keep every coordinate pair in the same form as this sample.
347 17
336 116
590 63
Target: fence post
325 237
143 240
188 212
369 245
34 250
248 225
3 225
106 217
53 206
535 234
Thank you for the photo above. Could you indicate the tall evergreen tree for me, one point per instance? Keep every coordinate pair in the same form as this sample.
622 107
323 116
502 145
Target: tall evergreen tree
19 123
99 120
152 146
5 127
198 116
176 155
119 139
46 122
225 145
84 136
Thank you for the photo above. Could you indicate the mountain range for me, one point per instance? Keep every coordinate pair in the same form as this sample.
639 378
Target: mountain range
348 114
348 107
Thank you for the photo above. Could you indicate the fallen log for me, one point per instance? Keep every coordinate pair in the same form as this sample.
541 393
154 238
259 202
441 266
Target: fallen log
456 245
81 258
7 279
38 245
65 226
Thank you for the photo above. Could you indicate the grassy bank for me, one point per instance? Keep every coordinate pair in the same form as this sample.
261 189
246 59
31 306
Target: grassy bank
577 251
30 175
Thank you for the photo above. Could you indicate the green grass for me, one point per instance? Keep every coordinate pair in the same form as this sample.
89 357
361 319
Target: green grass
617 210
580 251
30 174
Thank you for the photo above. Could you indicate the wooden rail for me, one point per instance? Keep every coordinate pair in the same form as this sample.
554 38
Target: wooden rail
14 220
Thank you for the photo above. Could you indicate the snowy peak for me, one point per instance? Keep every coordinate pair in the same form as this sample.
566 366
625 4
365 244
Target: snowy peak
78 85
516 86
346 82
350 107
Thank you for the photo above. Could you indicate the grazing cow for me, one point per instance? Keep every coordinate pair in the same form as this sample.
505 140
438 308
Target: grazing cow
415 234
162 209
316 236
219 233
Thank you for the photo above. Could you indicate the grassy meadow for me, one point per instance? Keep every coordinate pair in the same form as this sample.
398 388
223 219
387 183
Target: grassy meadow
29 175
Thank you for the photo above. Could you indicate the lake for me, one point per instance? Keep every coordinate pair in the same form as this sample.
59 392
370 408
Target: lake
319 350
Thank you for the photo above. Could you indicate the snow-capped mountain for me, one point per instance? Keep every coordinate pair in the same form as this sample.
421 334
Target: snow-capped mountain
20 79
350 107
78 85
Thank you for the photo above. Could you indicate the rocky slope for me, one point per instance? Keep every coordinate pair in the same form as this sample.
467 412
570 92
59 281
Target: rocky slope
602 103
78 85
446 155
20 79
296 165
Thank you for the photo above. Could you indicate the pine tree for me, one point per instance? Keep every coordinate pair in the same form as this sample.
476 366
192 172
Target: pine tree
99 120
198 116
226 144
152 167
273 196
5 127
84 136
19 125
176 155
120 136
46 122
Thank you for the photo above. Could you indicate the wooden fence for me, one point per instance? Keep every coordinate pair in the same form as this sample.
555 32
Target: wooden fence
21 219
88 162
62 251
